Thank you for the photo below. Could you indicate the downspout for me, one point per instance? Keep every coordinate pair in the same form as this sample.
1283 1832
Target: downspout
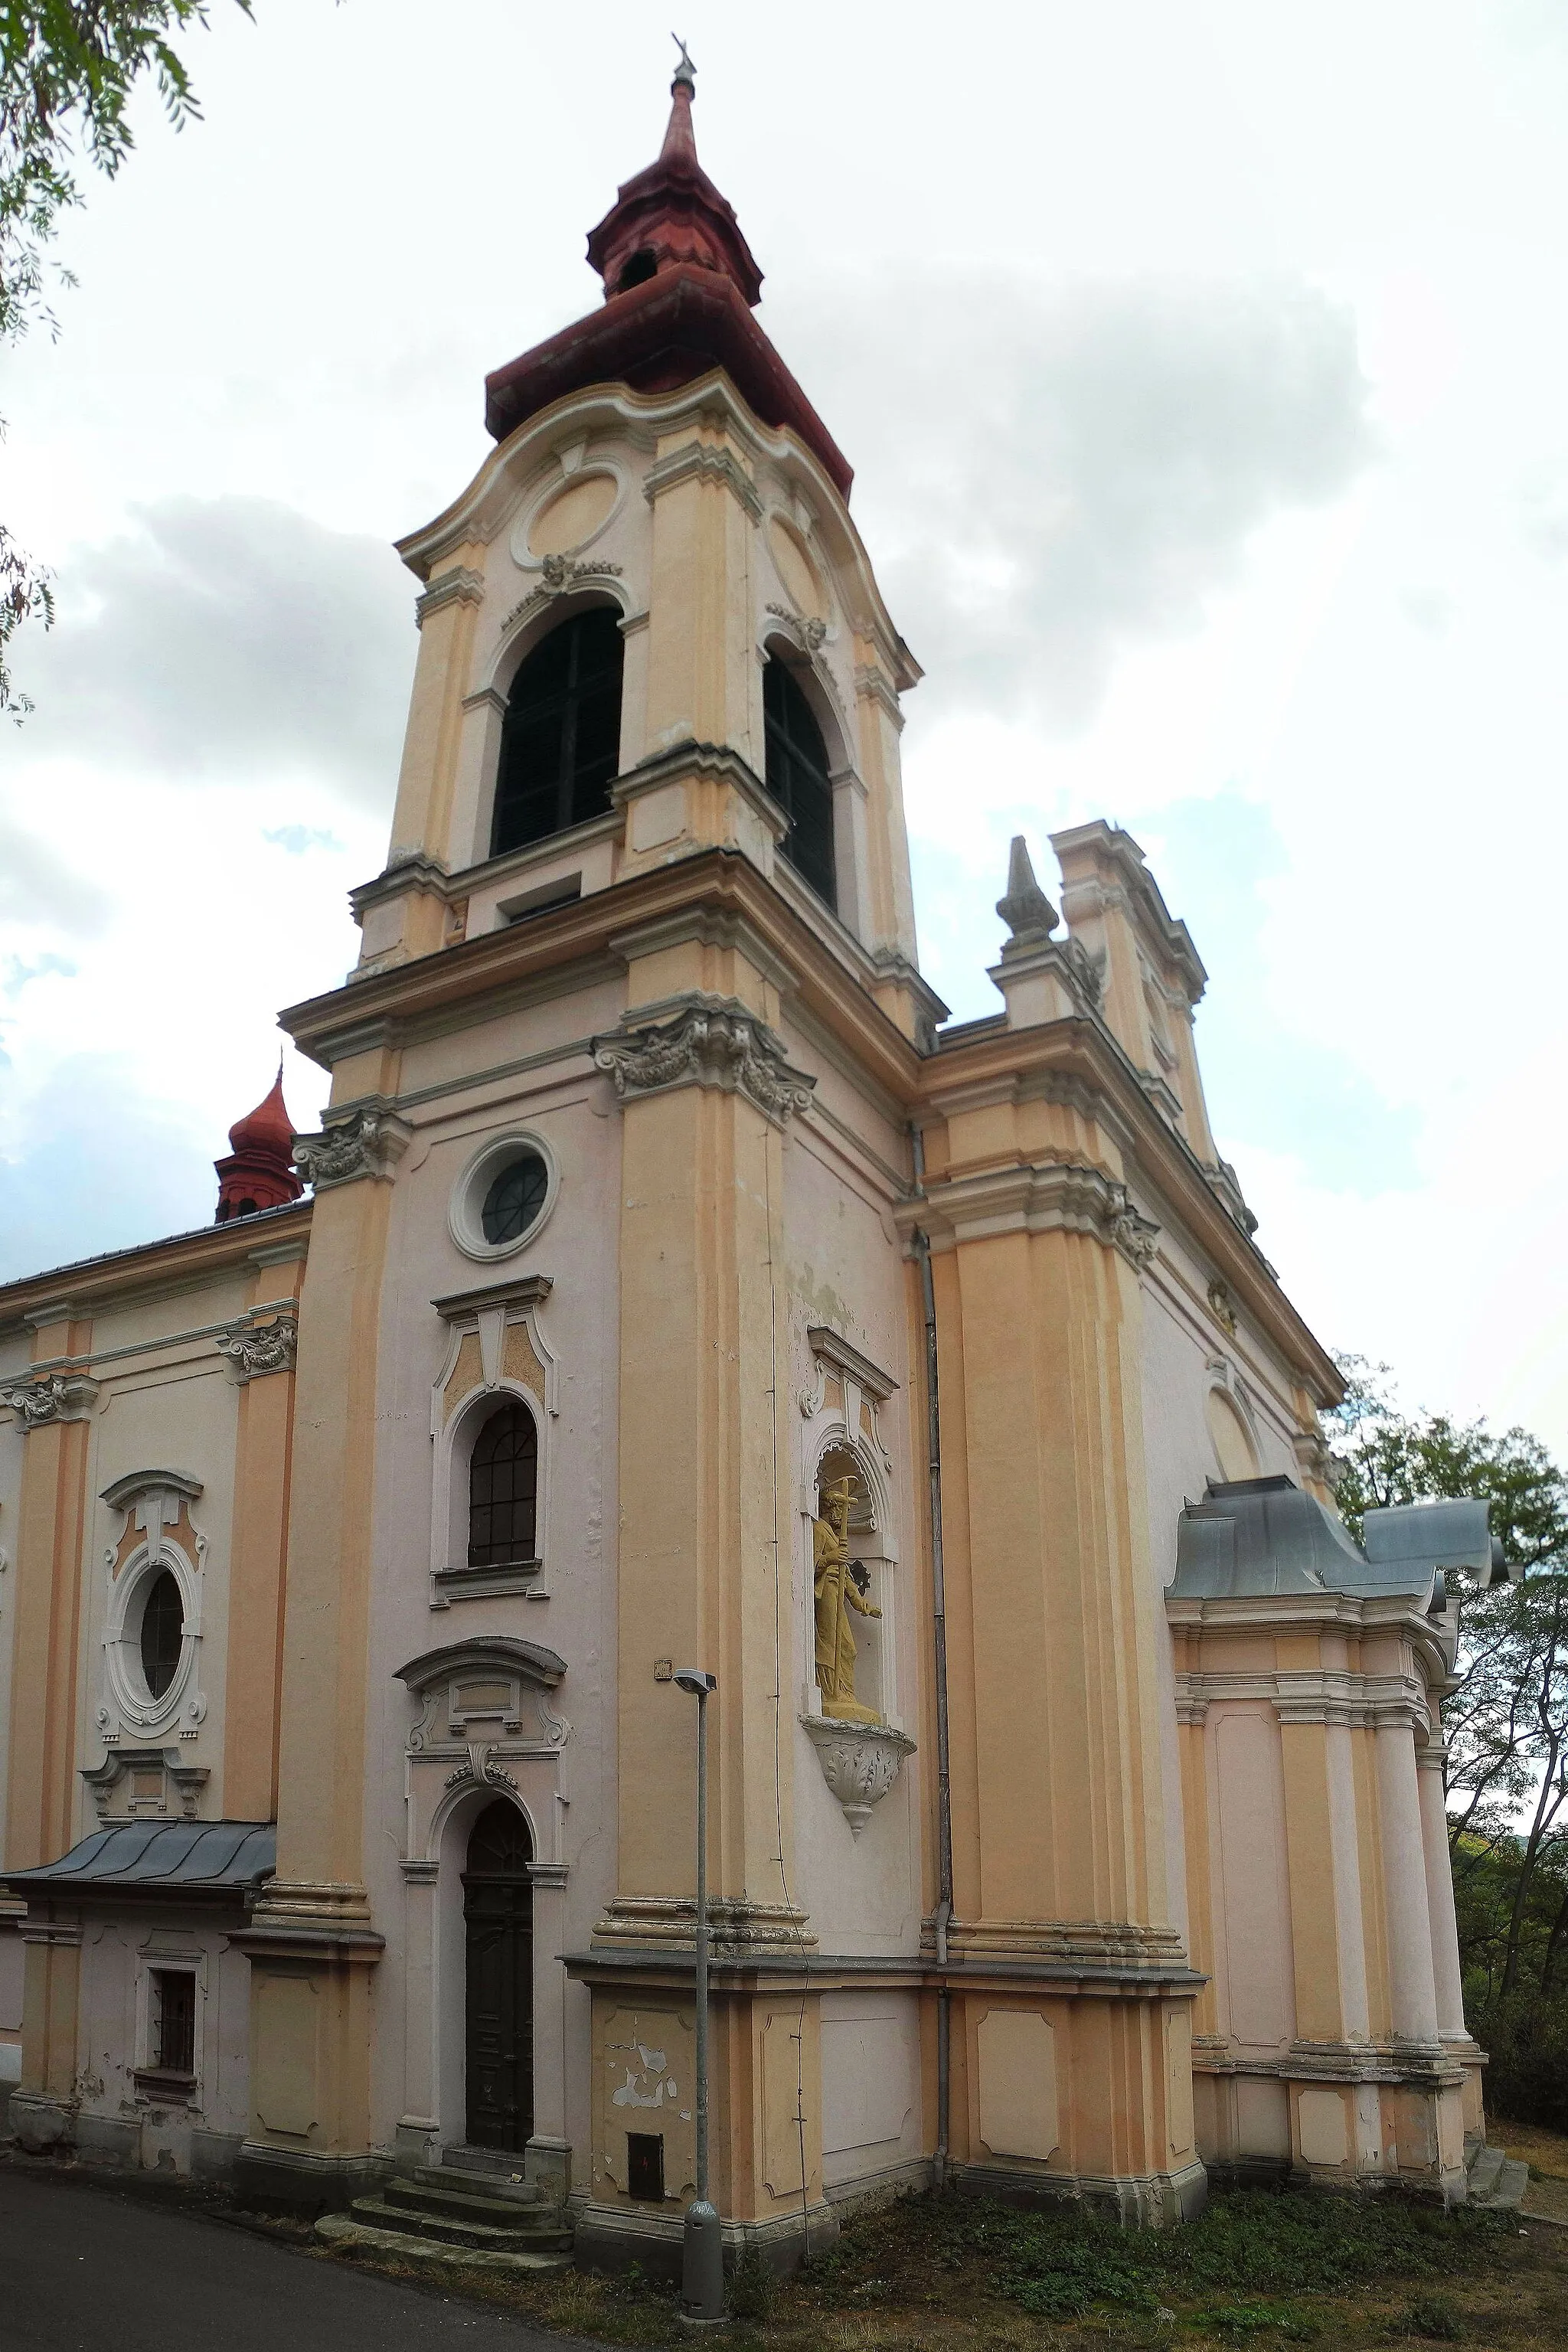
921 1244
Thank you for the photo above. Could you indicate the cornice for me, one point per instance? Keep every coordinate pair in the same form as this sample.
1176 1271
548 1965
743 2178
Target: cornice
698 461
446 986
182 1262
1083 1048
1330 1611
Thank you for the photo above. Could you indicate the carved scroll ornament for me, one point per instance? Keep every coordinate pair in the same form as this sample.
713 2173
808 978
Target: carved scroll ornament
254 1349
365 1143
714 1041
59 1396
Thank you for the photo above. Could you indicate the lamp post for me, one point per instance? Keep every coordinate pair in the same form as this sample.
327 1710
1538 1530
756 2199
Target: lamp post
702 2252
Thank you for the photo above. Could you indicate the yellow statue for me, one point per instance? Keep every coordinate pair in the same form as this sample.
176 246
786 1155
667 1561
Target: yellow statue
837 1593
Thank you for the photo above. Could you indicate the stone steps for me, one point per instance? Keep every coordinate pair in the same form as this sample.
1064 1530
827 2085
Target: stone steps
447 2214
338 2229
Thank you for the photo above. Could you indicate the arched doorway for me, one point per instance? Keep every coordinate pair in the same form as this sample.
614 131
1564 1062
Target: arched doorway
497 1913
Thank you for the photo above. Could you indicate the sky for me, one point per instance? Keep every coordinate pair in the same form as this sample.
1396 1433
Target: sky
1203 364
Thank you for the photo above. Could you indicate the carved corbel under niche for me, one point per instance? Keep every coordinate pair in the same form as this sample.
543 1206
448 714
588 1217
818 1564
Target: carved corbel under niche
860 1762
175 1777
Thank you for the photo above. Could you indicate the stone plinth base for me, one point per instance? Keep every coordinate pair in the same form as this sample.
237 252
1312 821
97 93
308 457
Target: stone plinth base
614 2237
1150 2201
307 2181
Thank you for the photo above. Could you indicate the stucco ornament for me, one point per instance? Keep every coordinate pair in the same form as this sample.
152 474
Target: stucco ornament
714 1041
59 1396
836 1590
254 1349
366 1143
813 632
859 1762
1135 1236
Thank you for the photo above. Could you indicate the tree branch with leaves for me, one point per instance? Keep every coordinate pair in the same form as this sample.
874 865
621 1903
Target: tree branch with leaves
68 72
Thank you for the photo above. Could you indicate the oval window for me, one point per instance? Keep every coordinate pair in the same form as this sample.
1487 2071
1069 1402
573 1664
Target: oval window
515 1199
163 1631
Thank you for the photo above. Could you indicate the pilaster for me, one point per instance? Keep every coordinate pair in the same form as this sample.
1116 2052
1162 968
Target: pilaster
703 1569
312 1940
262 1354
52 1411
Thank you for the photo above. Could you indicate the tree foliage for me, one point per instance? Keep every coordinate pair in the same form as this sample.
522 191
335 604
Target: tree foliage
1506 1723
67 71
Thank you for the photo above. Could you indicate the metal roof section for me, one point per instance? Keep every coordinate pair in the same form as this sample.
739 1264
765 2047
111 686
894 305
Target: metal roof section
161 1858
1250 1538
1435 1535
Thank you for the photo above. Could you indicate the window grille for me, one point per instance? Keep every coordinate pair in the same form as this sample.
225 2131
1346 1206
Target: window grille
174 2021
503 1489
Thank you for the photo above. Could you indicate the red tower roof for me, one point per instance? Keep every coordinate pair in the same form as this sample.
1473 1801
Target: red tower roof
258 1173
672 215
679 287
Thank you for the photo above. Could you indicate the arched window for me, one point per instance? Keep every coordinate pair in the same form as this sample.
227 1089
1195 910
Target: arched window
503 1489
561 740
162 1631
797 775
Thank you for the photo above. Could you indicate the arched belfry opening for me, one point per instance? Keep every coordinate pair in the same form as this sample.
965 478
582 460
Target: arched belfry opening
497 1917
561 738
798 776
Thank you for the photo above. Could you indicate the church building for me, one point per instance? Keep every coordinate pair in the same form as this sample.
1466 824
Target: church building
673 1285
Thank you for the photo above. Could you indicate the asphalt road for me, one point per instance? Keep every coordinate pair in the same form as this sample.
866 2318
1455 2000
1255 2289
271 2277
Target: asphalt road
83 2268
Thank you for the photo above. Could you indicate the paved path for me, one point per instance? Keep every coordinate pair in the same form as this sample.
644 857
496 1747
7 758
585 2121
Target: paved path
84 2268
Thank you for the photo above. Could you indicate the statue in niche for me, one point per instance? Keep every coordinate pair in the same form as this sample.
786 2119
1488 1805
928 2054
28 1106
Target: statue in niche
840 1584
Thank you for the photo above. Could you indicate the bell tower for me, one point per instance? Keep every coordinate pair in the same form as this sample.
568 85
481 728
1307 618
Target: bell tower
658 465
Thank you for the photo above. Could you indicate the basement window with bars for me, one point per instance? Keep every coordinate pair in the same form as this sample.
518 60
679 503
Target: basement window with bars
171 2030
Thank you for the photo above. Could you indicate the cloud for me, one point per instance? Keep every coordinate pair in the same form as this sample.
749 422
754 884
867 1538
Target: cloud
37 887
225 639
1051 475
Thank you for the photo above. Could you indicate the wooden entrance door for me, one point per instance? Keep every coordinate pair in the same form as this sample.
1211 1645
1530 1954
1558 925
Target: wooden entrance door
498 1908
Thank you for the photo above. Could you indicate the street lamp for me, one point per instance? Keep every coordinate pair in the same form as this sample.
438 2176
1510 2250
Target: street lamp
702 2253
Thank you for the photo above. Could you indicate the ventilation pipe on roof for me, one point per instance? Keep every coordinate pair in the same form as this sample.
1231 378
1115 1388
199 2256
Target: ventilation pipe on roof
921 1244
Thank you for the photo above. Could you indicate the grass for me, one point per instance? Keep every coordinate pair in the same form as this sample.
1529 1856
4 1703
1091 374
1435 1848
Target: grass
948 2274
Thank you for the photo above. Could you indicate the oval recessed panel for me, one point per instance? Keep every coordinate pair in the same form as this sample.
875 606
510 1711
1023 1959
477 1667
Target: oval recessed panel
572 516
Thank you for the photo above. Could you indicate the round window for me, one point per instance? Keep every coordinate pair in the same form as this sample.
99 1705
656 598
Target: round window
163 1631
503 1196
515 1200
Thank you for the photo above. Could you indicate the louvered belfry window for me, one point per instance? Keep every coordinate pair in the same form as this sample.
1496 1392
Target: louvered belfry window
503 1489
797 775
561 738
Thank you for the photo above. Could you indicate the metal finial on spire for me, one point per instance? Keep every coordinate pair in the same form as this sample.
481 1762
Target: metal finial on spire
685 72
1025 908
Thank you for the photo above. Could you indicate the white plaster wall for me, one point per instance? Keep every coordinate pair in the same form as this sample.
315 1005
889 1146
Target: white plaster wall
871 2092
846 1269
572 1109
1254 1970
172 1407
117 1952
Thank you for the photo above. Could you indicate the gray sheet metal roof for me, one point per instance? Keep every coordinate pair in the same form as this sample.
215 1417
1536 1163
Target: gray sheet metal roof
161 1857
1254 1536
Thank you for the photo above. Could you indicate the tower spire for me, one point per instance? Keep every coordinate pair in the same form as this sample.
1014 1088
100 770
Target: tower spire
679 150
671 215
